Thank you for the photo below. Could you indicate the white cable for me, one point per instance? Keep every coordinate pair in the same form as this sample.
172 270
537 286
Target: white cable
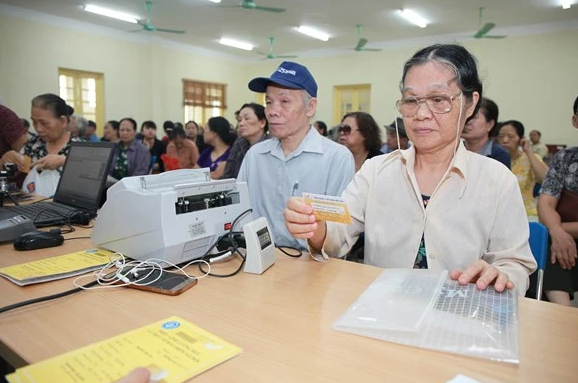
396 128
458 127
119 262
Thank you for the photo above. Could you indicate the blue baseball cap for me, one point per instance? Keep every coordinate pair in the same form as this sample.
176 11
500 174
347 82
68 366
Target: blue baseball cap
290 75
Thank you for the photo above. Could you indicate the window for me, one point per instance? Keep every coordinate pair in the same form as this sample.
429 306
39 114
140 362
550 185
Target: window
203 100
84 92
350 98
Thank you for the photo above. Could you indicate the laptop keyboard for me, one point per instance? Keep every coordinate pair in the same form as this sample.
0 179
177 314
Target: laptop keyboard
44 213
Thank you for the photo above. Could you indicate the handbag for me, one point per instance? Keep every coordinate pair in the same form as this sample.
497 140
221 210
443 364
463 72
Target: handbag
43 183
567 206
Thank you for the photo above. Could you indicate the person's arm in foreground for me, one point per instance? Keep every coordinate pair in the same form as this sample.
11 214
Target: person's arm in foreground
138 375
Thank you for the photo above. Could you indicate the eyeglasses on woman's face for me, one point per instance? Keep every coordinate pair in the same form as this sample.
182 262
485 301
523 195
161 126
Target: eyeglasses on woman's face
439 103
345 129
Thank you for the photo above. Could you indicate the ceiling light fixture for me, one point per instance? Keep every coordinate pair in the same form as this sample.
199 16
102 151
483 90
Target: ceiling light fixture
236 44
215 1
313 33
110 13
566 4
413 17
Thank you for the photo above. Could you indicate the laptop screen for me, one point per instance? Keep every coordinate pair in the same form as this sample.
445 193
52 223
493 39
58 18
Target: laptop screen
84 175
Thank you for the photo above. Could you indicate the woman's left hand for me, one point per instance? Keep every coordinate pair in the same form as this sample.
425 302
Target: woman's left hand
51 162
484 275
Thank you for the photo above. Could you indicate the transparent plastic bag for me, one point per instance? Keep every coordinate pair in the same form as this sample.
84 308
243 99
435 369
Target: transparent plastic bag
459 319
398 299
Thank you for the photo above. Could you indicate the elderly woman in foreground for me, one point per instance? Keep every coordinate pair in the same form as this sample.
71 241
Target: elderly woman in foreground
435 205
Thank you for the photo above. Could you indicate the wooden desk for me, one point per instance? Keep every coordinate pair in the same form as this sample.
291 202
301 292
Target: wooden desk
282 320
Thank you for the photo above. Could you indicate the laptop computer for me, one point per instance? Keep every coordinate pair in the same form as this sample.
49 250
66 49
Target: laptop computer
80 188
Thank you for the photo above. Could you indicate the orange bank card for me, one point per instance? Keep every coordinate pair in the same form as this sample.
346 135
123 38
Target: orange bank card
328 208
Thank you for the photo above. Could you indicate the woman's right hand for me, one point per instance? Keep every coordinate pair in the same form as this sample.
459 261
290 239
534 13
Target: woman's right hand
299 218
525 145
563 248
13 157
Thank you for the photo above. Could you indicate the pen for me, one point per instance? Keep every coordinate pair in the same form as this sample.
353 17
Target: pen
295 186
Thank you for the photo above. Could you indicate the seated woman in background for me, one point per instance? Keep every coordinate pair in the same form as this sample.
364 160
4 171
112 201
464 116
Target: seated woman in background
558 210
219 136
155 146
182 148
131 157
412 204
110 132
360 134
193 134
252 128
49 148
526 165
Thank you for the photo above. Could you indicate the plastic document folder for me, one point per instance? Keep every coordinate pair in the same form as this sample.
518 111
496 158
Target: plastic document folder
424 308
173 349
59 267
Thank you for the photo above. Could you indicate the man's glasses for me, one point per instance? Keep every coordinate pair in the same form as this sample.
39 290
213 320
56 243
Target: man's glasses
345 129
438 103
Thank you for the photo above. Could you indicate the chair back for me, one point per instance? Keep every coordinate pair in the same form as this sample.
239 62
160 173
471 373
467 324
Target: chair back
539 243
152 164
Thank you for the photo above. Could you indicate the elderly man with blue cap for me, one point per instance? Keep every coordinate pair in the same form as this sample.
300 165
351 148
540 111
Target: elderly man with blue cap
297 158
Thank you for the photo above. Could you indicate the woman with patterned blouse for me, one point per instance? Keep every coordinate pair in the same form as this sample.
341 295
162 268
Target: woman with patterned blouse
49 148
561 219
526 165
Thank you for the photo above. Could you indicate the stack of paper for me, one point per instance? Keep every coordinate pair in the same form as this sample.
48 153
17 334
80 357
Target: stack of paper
173 349
62 266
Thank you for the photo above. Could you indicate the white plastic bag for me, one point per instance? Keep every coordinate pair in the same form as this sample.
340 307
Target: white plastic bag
43 183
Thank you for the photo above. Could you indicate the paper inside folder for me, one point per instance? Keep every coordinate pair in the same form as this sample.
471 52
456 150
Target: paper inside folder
399 299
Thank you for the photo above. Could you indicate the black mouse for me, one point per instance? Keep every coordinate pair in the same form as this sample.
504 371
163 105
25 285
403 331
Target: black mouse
38 240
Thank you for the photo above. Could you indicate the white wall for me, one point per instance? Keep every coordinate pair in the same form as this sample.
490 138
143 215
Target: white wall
532 78
141 80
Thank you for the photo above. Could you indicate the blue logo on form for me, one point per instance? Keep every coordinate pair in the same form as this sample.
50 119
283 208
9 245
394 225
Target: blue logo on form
171 325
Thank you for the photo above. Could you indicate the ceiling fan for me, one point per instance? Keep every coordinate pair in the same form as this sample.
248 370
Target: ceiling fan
362 42
149 27
483 30
271 55
250 5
